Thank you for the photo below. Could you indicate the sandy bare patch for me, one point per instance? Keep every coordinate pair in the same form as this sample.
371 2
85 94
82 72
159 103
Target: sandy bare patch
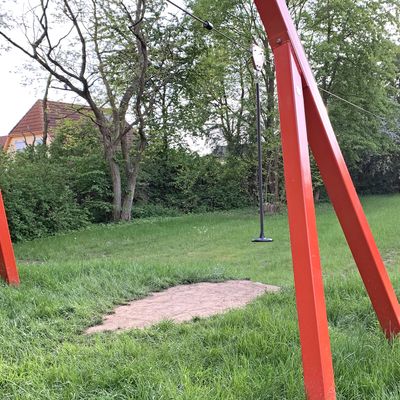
182 303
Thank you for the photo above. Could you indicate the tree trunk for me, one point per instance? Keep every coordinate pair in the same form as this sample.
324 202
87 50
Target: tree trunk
116 183
126 213
268 182
276 178
317 195
46 111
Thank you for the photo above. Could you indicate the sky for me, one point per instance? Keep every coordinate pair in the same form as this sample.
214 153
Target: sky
15 97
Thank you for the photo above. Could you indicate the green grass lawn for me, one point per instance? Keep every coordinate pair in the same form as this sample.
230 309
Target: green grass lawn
69 281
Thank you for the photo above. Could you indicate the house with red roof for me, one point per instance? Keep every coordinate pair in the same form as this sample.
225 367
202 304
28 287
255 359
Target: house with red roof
30 129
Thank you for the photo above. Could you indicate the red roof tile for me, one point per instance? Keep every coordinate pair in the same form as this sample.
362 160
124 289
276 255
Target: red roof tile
33 120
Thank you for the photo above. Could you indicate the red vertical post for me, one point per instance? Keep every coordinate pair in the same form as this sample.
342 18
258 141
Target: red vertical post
8 267
311 309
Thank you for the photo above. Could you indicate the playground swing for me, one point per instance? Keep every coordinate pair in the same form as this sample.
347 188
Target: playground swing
304 121
258 58
258 63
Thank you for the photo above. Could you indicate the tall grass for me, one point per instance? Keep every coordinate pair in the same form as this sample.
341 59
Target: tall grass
70 281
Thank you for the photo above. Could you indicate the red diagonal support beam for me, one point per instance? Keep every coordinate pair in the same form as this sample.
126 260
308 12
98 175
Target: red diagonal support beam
8 268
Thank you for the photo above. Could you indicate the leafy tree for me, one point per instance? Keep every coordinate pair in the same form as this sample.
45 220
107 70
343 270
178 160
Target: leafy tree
351 46
99 39
353 50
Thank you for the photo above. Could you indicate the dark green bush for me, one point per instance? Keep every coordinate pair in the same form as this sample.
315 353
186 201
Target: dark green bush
147 210
77 148
378 173
37 196
62 187
188 182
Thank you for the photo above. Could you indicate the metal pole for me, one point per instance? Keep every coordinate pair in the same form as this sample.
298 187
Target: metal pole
261 238
258 63
259 145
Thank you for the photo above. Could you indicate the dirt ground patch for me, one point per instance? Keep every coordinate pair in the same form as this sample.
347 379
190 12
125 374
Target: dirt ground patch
182 303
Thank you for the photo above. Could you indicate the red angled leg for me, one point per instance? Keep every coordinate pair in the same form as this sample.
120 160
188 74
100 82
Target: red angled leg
351 215
313 325
8 268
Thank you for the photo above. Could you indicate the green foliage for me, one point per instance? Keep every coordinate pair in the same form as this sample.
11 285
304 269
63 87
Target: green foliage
77 148
379 172
59 188
352 48
209 184
37 196
354 51
147 210
184 180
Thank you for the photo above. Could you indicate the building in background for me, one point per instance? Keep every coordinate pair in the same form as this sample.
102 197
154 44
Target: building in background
31 128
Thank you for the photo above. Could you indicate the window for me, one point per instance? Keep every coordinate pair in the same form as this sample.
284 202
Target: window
19 145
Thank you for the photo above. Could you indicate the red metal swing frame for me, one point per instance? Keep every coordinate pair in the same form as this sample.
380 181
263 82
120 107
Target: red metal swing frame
305 122
8 267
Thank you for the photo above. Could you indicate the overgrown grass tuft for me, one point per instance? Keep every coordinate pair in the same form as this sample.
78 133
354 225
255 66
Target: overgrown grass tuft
70 281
